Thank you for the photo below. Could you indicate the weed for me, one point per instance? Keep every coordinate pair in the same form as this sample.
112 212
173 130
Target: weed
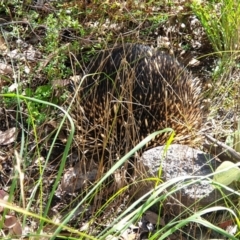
41 102
221 22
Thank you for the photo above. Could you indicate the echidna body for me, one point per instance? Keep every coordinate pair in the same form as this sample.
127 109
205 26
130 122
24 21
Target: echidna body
133 91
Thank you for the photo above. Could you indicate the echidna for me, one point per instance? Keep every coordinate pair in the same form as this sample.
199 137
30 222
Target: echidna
132 91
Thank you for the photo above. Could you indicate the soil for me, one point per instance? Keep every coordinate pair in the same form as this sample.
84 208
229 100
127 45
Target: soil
27 64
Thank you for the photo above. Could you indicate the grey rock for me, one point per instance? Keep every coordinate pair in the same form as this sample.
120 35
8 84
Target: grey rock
180 161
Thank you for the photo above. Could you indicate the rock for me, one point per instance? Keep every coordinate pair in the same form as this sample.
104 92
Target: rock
180 160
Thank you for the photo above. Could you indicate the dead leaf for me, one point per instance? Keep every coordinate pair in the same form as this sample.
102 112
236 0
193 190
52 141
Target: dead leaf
74 179
194 62
60 83
3 45
13 87
5 69
12 223
153 218
4 196
9 136
226 224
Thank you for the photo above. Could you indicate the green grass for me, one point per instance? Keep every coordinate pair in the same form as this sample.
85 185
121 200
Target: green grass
129 216
37 107
221 22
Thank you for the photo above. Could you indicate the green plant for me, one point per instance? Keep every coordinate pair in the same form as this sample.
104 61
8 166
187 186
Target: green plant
221 22
55 25
37 111
226 173
38 186
233 140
